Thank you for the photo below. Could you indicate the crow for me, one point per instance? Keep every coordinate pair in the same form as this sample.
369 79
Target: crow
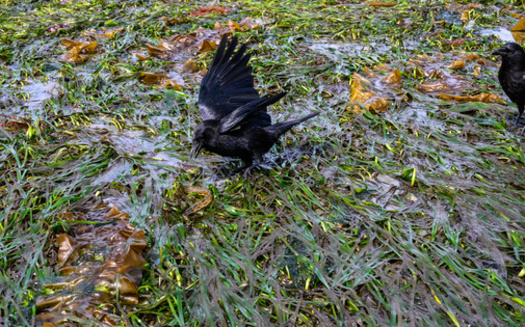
235 120
511 75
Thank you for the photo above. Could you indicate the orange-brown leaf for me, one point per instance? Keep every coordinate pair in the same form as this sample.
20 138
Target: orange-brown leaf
458 64
520 26
483 97
393 78
382 4
207 46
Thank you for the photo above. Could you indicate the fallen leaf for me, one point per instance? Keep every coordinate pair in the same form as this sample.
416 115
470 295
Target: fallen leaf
151 78
170 21
207 46
141 57
112 260
190 66
519 27
16 124
248 21
457 42
234 26
159 79
471 56
519 37
458 64
154 51
382 4
369 100
107 34
383 68
436 86
209 10
70 43
78 51
89 48
393 78
465 16
483 97
477 70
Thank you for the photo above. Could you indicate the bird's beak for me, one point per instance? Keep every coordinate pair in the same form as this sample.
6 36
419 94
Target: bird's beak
498 53
195 150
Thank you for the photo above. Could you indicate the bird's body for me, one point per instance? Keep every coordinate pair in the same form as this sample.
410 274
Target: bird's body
235 120
511 74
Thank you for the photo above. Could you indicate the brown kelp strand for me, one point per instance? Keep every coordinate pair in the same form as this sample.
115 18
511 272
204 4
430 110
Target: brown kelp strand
100 263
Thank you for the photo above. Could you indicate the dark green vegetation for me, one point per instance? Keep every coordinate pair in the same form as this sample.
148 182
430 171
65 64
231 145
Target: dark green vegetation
414 216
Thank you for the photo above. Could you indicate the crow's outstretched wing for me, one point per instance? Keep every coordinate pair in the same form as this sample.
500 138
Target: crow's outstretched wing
228 85
248 114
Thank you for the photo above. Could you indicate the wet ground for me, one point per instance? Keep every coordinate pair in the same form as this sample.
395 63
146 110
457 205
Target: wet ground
401 204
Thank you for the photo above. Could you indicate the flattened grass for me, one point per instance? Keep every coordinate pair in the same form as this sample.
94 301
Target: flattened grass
411 217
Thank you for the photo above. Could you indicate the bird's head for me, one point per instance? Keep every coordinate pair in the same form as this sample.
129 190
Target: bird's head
202 134
509 50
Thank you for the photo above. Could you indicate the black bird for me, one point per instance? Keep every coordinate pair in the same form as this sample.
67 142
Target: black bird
512 74
235 120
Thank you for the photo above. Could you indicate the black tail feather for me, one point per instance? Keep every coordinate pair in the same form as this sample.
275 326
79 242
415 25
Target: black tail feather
281 128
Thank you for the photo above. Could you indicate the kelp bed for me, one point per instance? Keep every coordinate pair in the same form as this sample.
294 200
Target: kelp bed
402 204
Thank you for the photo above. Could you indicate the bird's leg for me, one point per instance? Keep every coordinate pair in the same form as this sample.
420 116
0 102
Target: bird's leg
247 164
520 109
258 159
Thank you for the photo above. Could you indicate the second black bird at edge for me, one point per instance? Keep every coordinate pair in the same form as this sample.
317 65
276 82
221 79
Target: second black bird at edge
235 119
511 74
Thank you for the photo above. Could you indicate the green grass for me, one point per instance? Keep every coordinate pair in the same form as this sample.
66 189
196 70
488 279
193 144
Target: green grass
413 216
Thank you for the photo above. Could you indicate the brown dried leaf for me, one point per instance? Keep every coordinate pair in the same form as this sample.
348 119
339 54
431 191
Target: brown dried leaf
152 78
183 40
519 37
458 64
382 4
142 58
483 97
360 79
471 56
465 16
171 85
66 249
165 46
78 51
70 43
208 10
88 48
369 100
107 34
435 86
121 246
520 26
154 51
383 67
207 46
393 78
234 26
477 70
190 66
248 21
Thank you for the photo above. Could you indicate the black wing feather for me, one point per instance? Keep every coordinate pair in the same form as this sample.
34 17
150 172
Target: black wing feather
248 113
229 84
